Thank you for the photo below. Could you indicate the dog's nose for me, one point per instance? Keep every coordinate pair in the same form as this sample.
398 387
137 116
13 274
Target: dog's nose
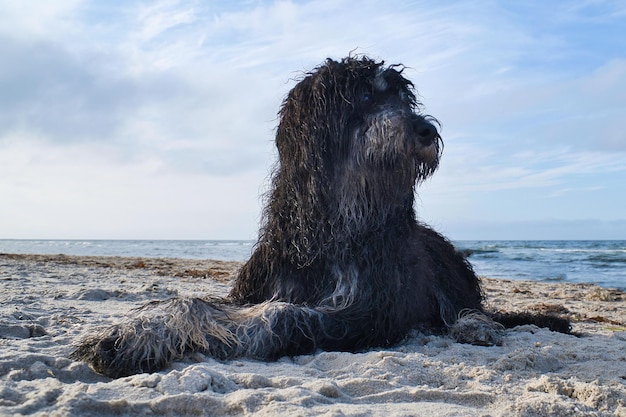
426 132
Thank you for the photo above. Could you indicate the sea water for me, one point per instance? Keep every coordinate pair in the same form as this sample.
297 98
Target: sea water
602 262
226 250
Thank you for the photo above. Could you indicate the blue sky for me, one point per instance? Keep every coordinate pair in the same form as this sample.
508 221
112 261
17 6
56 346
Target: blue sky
155 120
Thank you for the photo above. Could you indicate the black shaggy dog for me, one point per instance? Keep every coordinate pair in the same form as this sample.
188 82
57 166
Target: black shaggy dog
342 262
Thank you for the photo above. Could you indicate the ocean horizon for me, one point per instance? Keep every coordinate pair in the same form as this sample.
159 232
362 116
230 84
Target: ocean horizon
601 262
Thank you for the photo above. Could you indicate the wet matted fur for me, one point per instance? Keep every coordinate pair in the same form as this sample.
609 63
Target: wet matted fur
341 262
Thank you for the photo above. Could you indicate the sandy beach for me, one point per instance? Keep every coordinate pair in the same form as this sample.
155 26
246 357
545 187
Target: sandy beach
48 301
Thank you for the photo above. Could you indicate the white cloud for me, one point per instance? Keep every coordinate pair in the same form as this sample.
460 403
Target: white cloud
91 190
32 19
156 18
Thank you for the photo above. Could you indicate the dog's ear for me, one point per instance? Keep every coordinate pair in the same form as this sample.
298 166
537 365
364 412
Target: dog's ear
313 117
296 135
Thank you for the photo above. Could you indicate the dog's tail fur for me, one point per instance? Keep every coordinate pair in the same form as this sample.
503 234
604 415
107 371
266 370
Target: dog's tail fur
549 321
487 328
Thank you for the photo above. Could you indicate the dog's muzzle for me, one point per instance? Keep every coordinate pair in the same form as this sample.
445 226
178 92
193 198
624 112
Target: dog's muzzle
426 133
427 142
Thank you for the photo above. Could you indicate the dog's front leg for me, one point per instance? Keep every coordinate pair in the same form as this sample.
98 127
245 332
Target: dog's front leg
157 333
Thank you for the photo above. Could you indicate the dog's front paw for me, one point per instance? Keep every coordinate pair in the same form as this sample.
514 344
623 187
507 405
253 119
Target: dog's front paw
121 351
477 329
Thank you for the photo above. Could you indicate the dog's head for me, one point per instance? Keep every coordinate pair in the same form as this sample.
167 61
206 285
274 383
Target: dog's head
352 144
357 116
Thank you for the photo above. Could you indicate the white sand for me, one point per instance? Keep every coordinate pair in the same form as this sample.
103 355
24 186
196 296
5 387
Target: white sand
48 301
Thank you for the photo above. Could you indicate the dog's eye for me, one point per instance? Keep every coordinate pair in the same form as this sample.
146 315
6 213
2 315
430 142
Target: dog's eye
367 98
